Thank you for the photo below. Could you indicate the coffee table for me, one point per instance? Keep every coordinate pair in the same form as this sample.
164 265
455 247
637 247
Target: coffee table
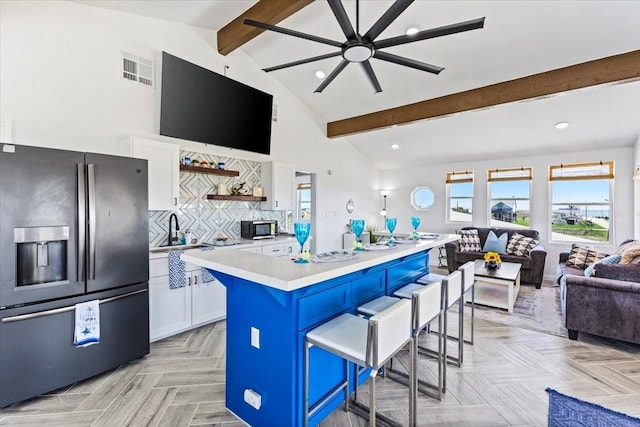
497 288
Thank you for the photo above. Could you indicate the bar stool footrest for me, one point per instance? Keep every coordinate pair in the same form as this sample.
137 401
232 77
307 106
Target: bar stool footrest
362 411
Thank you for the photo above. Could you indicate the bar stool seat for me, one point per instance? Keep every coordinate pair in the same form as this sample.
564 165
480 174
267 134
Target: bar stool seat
369 343
429 278
407 290
377 305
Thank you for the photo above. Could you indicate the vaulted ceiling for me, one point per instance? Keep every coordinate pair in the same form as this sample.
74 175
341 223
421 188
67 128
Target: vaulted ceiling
502 90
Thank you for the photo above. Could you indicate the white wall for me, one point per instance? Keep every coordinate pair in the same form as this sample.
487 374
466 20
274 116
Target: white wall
402 182
61 87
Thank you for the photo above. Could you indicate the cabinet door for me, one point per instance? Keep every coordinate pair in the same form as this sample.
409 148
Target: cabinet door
208 300
254 249
278 180
164 171
275 250
169 309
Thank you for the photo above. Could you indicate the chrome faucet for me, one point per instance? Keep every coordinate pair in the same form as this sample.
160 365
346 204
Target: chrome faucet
173 239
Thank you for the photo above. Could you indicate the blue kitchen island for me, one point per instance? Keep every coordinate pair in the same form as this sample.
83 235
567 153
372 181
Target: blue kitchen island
273 302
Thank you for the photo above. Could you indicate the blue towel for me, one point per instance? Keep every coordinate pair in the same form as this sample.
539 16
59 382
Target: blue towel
177 270
206 274
87 329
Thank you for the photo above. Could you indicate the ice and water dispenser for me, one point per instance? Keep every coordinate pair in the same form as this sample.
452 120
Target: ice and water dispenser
41 254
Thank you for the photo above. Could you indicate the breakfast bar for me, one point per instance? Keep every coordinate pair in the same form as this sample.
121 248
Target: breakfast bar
273 302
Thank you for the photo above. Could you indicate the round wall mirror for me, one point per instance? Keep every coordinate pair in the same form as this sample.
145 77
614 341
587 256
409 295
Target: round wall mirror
422 198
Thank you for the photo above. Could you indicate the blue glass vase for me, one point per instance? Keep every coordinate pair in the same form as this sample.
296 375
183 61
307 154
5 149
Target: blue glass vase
357 226
415 223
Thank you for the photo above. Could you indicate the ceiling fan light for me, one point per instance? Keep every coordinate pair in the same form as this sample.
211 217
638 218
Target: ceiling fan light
357 53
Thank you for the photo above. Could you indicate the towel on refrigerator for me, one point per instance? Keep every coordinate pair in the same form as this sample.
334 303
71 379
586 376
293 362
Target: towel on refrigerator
87 330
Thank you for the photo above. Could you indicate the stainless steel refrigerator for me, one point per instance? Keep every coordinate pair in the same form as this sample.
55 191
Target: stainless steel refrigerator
73 228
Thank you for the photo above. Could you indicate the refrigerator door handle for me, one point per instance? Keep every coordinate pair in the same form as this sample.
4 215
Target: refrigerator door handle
19 317
91 180
82 224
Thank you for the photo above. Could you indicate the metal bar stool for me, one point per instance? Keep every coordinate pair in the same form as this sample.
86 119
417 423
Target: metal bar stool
451 293
367 343
427 302
468 283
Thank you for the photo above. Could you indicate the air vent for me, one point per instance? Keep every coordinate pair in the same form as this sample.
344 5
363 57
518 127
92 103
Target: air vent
137 69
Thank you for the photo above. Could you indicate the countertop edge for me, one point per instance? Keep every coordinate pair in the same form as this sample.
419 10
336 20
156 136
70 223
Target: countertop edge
285 275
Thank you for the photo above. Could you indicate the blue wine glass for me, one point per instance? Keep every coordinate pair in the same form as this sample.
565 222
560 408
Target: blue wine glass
391 226
302 230
357 225
415 223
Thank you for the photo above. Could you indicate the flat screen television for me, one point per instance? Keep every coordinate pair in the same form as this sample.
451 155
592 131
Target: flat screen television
199 105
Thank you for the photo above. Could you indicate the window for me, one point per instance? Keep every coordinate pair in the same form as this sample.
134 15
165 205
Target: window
581 203
459 196
304 201
422 198
510 197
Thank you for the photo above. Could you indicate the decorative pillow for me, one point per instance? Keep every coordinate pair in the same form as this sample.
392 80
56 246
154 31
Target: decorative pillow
495 243
629 252
520 245
611 259
470 241
582 257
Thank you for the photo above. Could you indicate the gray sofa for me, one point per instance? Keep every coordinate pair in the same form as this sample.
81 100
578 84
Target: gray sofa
606 304
532 269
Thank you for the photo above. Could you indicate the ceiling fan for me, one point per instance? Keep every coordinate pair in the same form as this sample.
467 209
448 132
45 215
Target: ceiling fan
361 48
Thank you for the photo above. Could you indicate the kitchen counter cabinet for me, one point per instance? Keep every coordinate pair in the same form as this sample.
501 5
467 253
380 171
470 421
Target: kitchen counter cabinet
176 310
272 303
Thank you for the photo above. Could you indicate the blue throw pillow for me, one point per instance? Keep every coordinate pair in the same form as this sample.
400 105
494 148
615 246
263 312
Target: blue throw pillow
495 243
611 259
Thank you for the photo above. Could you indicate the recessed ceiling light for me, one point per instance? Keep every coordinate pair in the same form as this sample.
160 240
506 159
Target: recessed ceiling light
411 31
320 74
395 146
562 125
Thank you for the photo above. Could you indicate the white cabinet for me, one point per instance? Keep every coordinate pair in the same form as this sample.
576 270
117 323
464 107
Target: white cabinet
281 250
164 173
279 183
254 249
176 310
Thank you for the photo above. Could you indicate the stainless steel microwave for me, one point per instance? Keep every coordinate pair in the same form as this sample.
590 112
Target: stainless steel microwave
261 229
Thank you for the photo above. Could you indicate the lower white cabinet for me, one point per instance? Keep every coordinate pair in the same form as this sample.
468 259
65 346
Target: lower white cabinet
281 250
176 310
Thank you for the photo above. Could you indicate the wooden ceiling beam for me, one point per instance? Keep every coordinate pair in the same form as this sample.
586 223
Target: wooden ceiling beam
615 68
235 33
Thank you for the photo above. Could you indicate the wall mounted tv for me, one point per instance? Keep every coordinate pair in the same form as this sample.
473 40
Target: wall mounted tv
200 105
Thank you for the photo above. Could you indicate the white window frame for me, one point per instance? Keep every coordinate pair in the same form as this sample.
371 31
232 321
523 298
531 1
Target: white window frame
300 201
453 178
508 174
603 170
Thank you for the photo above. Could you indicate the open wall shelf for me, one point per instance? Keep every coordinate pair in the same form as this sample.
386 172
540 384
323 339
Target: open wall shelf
237 198
211 171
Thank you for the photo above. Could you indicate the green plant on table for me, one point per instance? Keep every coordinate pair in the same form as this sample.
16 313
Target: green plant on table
372 237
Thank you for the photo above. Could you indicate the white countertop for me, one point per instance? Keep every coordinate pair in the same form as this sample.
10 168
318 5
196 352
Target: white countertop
286 275
162 252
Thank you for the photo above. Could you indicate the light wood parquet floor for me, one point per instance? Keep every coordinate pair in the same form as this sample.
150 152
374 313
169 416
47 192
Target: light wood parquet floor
501 383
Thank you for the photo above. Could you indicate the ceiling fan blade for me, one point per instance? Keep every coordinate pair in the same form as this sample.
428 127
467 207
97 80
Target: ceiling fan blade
385 20
372 76
341 66
400 60
460 27
341 15
302 61
293 33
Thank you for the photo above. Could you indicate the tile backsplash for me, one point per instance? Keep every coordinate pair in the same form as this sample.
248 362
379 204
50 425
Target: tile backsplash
208 219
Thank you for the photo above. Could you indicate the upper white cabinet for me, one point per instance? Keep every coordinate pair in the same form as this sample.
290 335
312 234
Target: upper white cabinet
164 173
279 182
